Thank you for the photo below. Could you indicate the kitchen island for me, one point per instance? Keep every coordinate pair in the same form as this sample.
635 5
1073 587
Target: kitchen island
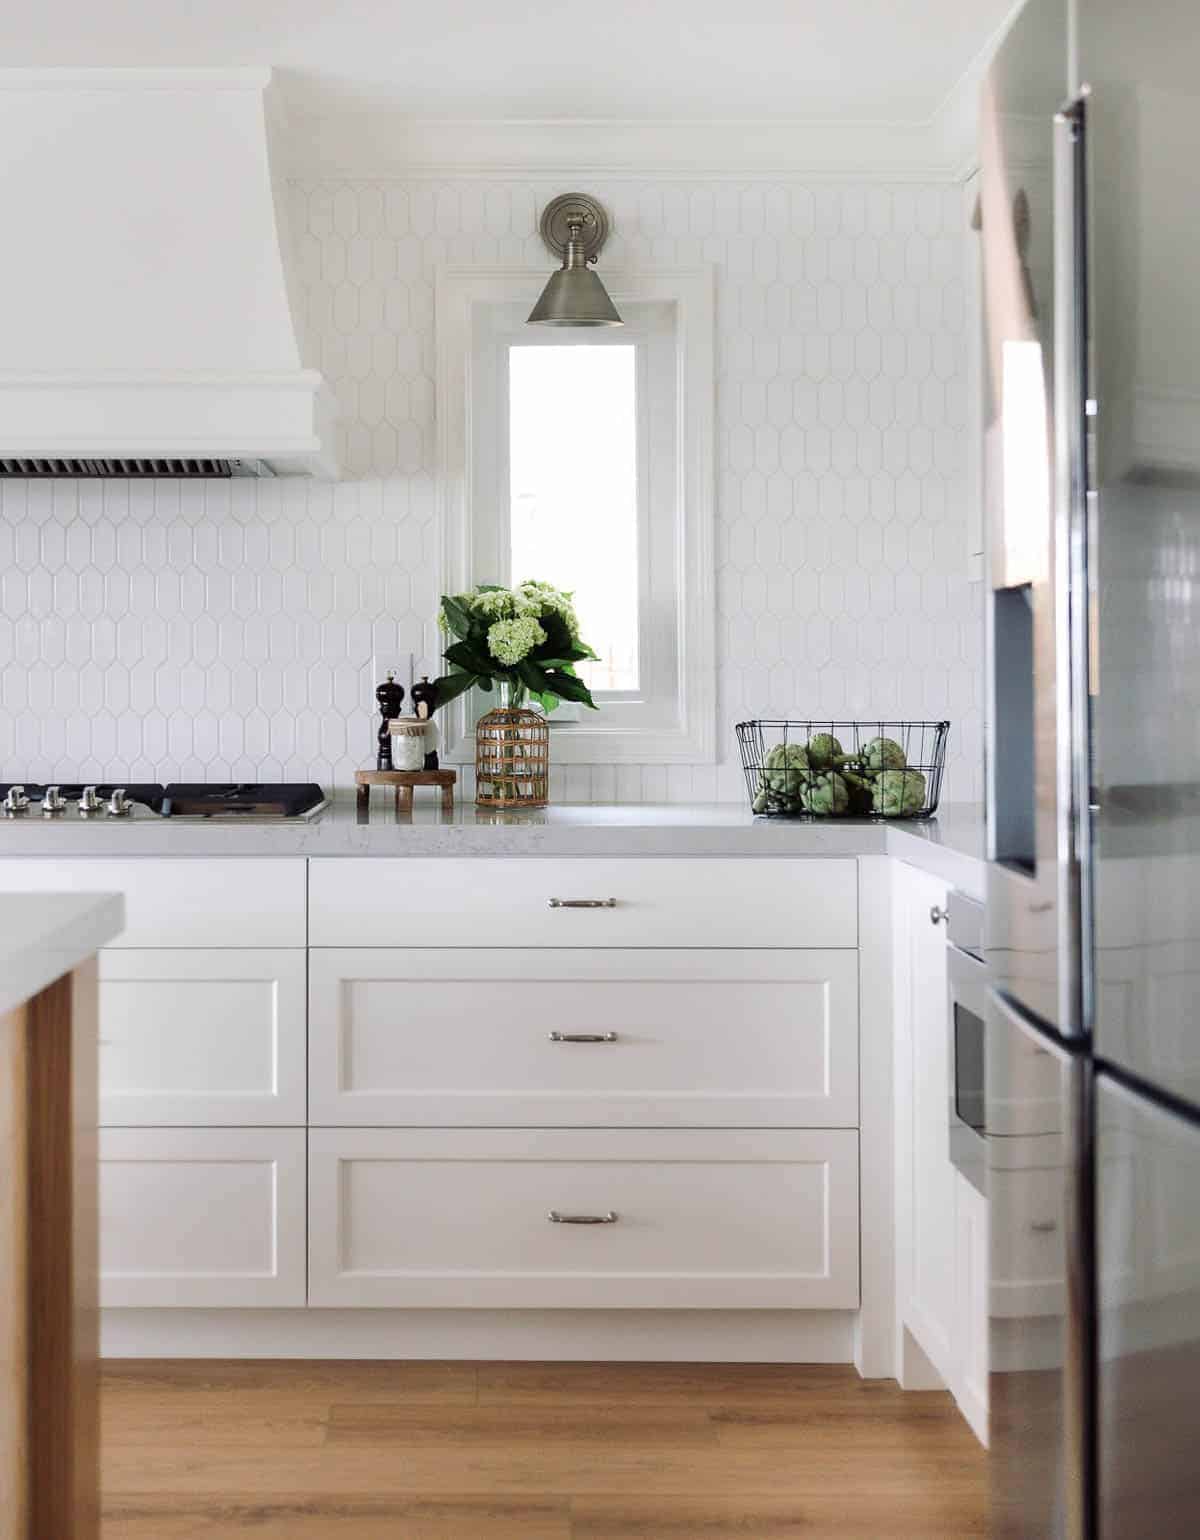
48 1280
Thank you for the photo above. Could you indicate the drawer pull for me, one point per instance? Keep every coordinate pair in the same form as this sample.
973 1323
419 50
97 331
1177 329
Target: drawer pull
582 1037
583 903
1044 1226
556 1218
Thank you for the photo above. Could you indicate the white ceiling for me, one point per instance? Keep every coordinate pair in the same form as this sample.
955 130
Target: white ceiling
861 60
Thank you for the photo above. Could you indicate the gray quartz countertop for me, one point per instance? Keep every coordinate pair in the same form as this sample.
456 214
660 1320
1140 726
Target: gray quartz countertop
44 935
950 846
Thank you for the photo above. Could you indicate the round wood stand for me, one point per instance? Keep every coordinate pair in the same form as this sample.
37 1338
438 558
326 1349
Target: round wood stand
403 781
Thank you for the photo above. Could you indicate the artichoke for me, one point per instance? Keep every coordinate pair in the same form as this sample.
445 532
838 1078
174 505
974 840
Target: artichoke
859 791
786 771
828 795
824 751
899 793
882 754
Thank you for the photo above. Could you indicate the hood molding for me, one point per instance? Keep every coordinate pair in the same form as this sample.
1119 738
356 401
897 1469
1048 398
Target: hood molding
144 299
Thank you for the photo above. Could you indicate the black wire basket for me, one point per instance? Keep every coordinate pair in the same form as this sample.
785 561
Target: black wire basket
843 769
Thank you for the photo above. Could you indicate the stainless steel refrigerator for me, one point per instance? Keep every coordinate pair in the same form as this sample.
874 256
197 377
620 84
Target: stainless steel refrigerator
1090 221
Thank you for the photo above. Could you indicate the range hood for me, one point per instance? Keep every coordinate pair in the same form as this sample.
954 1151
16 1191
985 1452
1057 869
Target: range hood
146 325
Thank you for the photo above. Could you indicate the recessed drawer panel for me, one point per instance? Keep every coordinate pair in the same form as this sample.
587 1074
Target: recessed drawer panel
654 1038
202 1216
670 1219
198 1037
182 903
583 903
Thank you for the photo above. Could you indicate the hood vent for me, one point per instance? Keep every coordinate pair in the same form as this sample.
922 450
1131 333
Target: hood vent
145 313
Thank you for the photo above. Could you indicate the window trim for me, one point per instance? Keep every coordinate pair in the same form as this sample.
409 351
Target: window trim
690 738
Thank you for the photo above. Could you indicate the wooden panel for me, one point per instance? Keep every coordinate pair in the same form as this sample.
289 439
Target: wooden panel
659 903
455 1037
197 1037
705 1220
205 1216
174 903
14 1178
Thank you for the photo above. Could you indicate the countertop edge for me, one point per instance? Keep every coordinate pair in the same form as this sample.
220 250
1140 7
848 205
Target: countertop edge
50 934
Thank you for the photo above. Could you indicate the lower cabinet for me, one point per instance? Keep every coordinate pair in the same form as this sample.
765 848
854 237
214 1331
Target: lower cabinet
654 1219
202 1216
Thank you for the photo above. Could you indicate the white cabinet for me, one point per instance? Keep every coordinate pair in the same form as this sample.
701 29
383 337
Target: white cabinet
941 1220
439 902
202 1216
201 1037
680 1219
651 1037
976 380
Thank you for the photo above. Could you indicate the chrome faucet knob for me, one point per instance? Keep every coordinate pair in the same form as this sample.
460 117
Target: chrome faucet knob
119 804
54 801
15 800
89 801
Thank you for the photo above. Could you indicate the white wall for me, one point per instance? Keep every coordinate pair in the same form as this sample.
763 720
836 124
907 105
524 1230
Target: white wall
161 630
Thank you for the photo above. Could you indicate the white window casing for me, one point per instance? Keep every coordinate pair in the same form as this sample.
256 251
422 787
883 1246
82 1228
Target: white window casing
671 717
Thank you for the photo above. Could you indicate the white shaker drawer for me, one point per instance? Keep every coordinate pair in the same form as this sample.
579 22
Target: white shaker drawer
202 1216
587 902
200 1037
680 1219
172 902
655 1038
1027 1204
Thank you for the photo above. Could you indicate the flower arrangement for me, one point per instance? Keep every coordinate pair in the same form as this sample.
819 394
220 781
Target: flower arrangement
527 638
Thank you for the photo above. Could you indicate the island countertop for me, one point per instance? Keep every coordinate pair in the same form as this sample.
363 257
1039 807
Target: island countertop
45 935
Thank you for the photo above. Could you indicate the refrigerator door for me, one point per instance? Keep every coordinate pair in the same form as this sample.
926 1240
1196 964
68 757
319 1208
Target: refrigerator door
1032 940
1039 1301
1148 1219
1142 65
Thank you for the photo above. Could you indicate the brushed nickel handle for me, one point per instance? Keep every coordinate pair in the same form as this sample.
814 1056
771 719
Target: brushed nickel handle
937 915
582 1037
556 1218
1044 1226
583 903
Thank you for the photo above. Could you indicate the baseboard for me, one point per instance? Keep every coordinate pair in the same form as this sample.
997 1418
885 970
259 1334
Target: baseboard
683 1336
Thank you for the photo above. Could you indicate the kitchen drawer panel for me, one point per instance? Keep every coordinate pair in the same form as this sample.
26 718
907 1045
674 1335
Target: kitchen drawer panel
447 902
722 1038
702 1220
180 903
1027 1208
202 1217
200 1037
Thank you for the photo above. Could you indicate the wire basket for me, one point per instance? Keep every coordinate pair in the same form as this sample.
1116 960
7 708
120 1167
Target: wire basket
843 769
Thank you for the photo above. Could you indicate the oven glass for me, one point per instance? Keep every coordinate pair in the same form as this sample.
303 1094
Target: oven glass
968 1067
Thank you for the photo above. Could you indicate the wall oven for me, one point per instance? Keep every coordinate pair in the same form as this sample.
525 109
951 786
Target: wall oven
967 1058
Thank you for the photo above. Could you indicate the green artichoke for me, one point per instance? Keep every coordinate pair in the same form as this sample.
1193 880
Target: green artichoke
882 754
824 751
828 795
859 790
899 793
786 771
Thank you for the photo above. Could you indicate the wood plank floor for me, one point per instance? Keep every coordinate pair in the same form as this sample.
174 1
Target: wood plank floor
519 1451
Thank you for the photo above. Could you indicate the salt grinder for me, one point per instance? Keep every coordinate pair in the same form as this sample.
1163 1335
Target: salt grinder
390 696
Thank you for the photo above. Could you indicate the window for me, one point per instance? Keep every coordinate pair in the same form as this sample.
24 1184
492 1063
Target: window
584 458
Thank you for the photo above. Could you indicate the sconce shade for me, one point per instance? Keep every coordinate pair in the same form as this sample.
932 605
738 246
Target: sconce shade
575 296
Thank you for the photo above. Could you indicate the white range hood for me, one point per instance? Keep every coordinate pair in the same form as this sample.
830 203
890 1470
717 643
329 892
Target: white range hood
145 319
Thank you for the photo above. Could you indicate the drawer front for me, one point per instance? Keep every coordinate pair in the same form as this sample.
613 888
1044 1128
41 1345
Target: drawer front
703 1220
197 1037
1027 1206
203 1216
182 903
464 1038
507 903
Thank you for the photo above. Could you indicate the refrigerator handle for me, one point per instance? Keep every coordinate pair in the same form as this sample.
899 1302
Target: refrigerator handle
1072 606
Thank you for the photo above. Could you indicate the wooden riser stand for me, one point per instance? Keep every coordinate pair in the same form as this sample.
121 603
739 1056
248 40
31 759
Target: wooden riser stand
403 782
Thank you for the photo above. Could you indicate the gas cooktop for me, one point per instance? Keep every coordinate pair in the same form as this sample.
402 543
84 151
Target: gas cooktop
227 802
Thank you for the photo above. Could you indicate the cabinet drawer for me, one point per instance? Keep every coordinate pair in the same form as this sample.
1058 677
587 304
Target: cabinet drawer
182 903
703 1220
505 903
718 1038
1027 1207
202 1216
202 1037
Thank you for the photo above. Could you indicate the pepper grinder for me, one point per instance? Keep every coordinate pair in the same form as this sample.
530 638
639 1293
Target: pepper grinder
390 696
424 703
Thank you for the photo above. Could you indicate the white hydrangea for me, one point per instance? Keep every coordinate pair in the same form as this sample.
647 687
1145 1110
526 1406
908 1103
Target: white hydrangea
511 640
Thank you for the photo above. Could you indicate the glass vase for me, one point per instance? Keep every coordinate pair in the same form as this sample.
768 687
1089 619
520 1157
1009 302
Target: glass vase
512 753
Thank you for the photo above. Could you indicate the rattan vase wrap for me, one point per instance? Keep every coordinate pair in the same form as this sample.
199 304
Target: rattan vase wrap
512 758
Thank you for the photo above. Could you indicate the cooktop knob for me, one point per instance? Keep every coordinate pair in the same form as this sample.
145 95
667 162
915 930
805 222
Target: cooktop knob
15 801
119 804
54 801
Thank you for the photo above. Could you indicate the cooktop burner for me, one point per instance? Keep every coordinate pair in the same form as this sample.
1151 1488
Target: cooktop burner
101 799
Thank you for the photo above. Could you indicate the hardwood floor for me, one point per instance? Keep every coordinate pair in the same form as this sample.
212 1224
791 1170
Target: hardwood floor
518 1451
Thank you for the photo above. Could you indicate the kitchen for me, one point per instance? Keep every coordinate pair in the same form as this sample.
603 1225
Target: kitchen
696 1115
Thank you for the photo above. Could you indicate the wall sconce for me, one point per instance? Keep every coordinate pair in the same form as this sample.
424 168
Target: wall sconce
574 227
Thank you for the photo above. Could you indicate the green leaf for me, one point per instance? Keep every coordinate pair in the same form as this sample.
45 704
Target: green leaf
558 635
547 700
458 616
451 686
466 656
570 688
531 674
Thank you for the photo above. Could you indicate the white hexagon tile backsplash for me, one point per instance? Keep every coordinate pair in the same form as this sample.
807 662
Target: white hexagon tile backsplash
235 629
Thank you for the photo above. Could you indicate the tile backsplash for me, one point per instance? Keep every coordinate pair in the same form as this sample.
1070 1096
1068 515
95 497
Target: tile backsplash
236 630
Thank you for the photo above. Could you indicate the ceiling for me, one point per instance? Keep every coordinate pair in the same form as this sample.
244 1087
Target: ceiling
851 60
